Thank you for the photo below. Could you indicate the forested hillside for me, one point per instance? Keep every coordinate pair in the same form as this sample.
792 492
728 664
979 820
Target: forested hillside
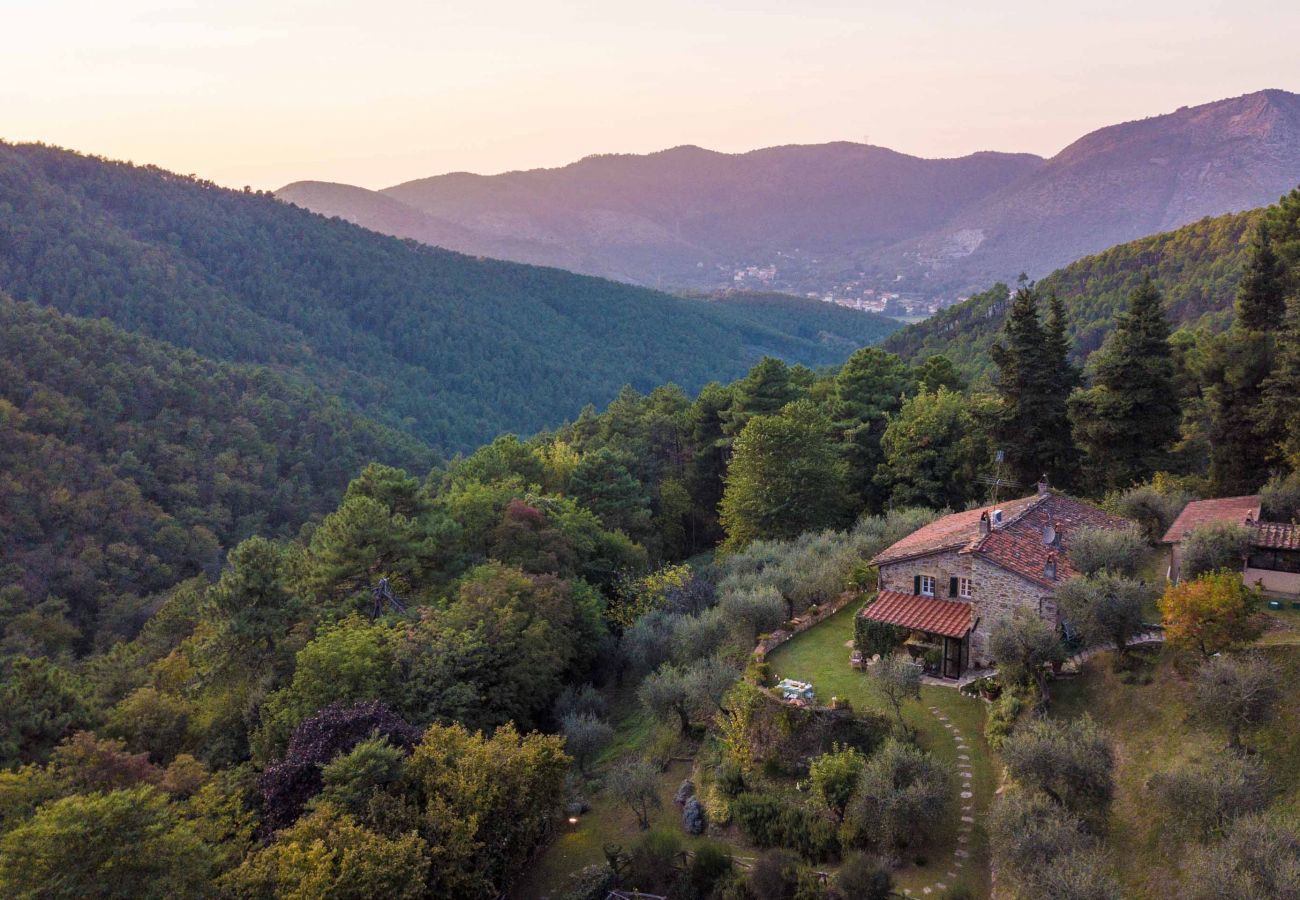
401 698
127 465
1196 268
452 348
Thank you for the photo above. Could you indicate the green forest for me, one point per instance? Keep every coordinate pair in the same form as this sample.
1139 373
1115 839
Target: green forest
257 643
1196 268
450 348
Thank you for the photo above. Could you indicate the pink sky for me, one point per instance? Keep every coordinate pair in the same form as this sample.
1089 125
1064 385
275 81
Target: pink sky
378 92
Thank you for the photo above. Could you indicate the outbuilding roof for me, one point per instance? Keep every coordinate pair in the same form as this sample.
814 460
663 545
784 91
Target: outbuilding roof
1275 536
1230 510
950 618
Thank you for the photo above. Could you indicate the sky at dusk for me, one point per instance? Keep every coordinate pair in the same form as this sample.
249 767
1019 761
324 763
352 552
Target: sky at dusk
382 91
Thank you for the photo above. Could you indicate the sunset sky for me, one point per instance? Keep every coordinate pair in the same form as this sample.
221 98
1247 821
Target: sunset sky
264 92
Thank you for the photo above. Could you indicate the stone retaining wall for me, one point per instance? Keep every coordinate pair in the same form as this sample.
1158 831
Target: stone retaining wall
803 623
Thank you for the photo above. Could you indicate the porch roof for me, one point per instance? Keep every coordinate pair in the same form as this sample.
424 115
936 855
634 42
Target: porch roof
950 618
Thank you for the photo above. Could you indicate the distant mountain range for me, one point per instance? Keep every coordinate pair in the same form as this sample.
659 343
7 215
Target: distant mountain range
450 349
844 217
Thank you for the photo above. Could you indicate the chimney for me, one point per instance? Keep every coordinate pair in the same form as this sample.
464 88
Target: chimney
1049 568
1043 486
985 525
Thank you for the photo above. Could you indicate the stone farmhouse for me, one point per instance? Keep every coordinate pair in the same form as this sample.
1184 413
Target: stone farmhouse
955 579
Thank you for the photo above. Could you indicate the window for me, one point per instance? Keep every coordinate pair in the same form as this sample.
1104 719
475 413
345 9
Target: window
963 588
927 585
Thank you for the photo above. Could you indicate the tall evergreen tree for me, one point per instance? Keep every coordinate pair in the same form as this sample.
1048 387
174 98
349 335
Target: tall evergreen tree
769 386
1034 381
1236 368
1060 452
1261 294
1128 420
868 390
1281 407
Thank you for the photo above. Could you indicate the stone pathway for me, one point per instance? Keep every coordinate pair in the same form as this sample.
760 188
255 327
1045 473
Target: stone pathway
960 856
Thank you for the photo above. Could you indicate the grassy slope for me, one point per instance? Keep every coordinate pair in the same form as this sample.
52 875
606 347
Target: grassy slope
1149 724
821 656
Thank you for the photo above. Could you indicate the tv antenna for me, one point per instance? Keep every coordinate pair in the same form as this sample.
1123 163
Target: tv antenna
382 595
997 482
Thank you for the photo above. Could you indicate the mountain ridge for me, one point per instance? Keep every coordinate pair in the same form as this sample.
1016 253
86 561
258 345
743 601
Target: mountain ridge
843 217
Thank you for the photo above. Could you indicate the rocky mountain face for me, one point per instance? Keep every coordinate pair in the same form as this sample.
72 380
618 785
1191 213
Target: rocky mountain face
843 217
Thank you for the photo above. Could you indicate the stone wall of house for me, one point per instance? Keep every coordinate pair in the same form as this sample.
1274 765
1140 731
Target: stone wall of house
998 594
943 567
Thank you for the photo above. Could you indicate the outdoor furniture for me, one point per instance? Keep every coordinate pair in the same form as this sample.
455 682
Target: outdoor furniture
855 659
798 692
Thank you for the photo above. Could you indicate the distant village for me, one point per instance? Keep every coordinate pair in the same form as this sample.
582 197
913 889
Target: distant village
854 294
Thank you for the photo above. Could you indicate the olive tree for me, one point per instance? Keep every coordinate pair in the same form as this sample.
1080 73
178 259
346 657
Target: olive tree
1236 693
899 681
1022 645
1106 608
1071 762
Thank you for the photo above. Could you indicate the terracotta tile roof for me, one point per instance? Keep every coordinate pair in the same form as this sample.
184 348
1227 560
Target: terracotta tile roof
1019 544
1202 512
948 533
1276 536
951 618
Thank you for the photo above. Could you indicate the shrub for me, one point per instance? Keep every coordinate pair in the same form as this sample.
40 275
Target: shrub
753 612
834 777
771 822
1280 499
652 864
693 820
871 638
863 877
593 882
1117 551
710 865
1004 712
1042 850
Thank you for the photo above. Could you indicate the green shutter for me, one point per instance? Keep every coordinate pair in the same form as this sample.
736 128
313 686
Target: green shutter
916 584
952 587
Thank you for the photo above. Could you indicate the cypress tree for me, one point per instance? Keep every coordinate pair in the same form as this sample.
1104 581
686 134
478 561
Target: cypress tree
1128 420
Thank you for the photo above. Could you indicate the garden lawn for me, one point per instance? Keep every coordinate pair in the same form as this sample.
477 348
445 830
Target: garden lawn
820 655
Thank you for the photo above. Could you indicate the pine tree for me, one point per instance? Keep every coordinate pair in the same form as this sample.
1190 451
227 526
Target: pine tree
868 390
1280 412
1235 371
1128 420
1034 381
1261 294
1060 453
768 387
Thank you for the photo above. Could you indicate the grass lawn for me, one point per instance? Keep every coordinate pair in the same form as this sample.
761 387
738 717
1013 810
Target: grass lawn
821 656
1150 727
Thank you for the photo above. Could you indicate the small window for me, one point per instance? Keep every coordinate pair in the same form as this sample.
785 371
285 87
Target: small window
927 585
963 587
